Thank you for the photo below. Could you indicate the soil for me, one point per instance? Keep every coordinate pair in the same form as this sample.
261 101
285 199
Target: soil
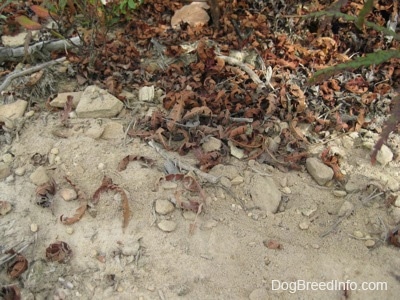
220 254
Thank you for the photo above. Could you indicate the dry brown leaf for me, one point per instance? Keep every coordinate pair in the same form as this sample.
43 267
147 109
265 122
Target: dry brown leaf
59 252
17 267
80 211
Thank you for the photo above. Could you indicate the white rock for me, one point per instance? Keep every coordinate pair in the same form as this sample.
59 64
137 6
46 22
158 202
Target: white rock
211 144
265 193
34 227
55 151
13 110
321 173
146 93
167 226
19 171
384 155
339 193
164 207
169 185
237 180
8 158
235 151
304 225
68 194
61 99
98 103
69 230
369 243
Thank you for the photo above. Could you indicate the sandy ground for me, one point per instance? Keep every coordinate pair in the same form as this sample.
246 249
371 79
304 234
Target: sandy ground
224 257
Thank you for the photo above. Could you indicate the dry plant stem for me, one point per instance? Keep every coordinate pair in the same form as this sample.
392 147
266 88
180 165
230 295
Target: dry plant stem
210 178
244 67
34 69
13 54
3 260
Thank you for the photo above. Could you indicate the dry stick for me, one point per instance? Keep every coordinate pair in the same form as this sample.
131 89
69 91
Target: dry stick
210 178
244 67
34 69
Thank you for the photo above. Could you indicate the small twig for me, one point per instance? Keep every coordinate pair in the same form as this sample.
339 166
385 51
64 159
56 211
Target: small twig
244 67
210 178
333 227
34 69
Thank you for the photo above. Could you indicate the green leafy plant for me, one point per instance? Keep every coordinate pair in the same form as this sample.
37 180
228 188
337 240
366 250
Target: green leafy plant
369 59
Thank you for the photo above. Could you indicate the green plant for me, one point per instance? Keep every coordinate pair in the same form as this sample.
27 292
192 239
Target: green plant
374 58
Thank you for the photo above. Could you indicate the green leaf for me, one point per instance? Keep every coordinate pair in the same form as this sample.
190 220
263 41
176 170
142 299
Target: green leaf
368 60
367 8
132 4
28 23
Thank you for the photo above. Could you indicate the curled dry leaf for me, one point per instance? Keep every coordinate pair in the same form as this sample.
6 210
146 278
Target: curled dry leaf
106 185
125 161
80 211
10 292
18 266
45 192
333 162
394 237
59 251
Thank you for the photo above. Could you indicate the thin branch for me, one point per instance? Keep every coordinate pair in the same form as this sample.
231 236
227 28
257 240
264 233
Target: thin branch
34 69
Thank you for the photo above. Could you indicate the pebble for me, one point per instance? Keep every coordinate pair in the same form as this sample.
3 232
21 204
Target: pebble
101 166
346 209
5 170
5 207
384 155
237 180
30 113
19 171
358 234
321 173
34 227
164 207
69 230
39 176
316 246
211 144
369 243
7 158
209 224
304 225
225 182
68 194
189 215
169 185
167 226
55 151
339 193
286 190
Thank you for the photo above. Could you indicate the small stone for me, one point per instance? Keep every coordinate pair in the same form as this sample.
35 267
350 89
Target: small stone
55 151
69 230
5 170
315 246
384 155
211 144
369 243
95 131
19 171
304 225
225 182
346 209
237 180
10 179
13 110
339 193
7 158
113 130
5 207
34 227
39 176
286 190
358 234
68 194
52 158
101 166
189 215
169 185
164 207
307 212
30 113
321 173
167 226
235 151
146 93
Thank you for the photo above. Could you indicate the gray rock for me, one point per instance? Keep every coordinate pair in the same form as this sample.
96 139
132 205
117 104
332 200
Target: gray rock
39 176
98 103
167 226
5 170
211 144
321 173
339 193
265 193
384 155
164 207
61 99
346 209
13 110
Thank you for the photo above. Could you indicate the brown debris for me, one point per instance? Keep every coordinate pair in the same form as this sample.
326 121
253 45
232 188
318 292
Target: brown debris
59 252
